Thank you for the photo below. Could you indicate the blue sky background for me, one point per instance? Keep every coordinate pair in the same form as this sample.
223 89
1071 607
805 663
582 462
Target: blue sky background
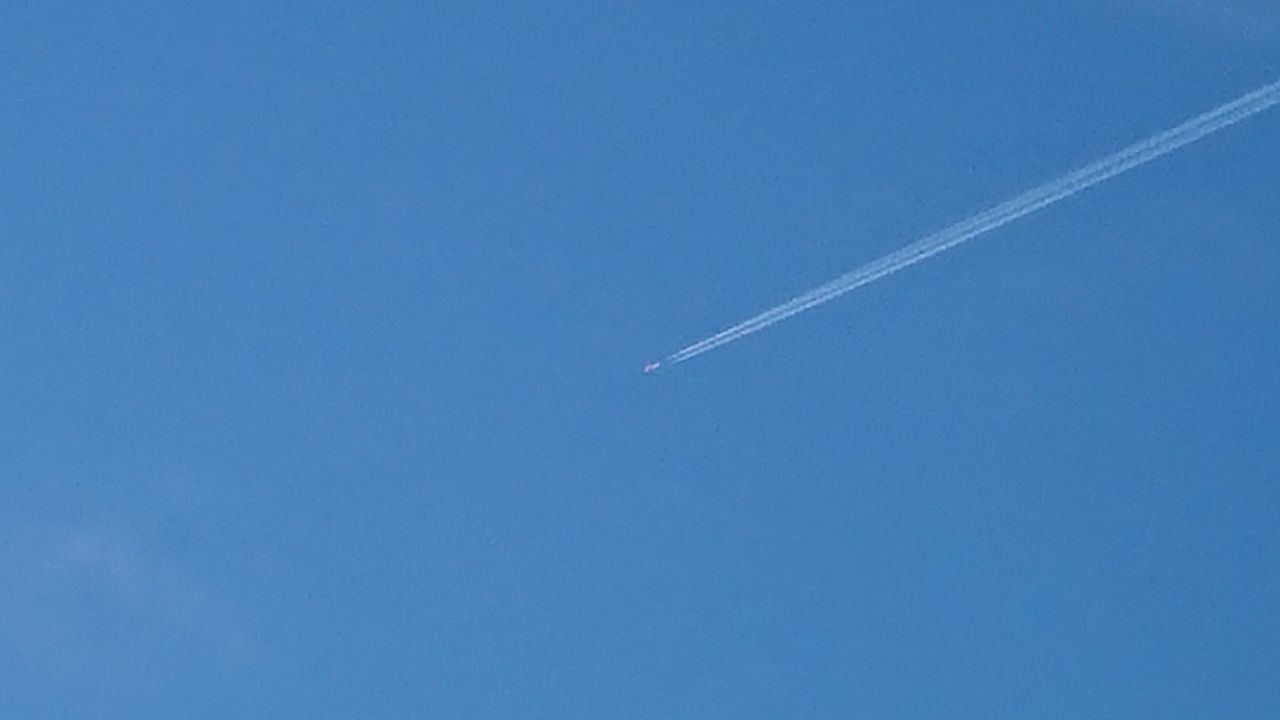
322 327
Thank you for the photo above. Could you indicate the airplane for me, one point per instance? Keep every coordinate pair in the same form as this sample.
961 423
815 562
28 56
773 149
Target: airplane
652 367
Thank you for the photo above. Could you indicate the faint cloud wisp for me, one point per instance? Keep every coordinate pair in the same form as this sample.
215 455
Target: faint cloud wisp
92 606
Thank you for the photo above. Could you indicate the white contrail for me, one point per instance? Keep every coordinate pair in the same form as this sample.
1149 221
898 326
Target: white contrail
1051 192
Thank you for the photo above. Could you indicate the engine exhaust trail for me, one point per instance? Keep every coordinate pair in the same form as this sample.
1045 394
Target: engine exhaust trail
1054 191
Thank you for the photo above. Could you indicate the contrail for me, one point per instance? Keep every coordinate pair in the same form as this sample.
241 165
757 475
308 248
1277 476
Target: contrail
1117 163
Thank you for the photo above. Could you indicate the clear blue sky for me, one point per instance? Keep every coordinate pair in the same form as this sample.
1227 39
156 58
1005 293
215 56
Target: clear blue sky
322 325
